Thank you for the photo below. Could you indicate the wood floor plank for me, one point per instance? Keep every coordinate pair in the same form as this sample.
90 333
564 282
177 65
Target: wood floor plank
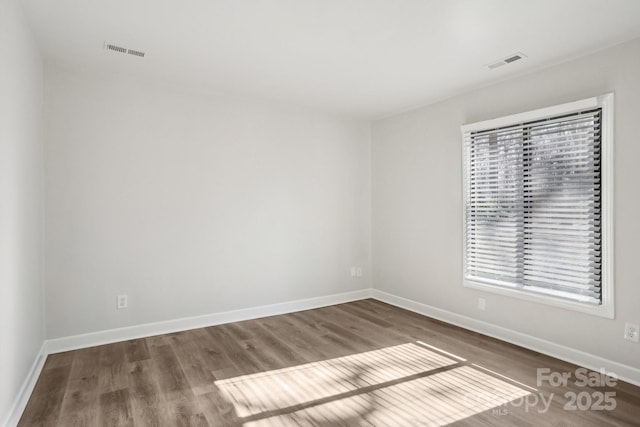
264 360
324 367
113 375
343 332
233 350
281 351
364 327
44 405
303 344
136 350
218 410
156 341
58 360
304 330
84 363
182 409
115 409
80 406
178 403
169 373
146 404
193 361
213 356
367 315
331 343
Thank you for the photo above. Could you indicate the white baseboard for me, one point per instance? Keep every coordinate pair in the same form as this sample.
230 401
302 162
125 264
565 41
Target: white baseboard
74 342
20 402
624 372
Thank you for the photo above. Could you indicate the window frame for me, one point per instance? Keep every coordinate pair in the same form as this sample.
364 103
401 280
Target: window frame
606 103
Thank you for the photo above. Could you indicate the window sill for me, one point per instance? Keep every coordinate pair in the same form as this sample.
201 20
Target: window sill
604 310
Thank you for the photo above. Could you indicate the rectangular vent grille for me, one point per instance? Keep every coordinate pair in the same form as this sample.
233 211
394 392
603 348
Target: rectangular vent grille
512 59
508 60
115 48
120 49
136 53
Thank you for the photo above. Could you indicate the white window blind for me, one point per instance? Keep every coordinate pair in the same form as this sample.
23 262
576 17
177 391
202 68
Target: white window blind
533 205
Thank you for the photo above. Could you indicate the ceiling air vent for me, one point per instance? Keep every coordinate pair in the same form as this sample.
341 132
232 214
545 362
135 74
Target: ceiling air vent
120 49
508 60
135 52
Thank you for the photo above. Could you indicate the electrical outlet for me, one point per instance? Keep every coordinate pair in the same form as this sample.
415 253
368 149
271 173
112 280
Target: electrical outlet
122 301
631 332
354 271
359 272
482 304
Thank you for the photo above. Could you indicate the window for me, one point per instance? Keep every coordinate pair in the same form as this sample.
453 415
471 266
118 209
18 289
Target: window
537 205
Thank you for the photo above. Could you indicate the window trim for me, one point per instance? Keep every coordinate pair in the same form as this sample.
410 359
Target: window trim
606 103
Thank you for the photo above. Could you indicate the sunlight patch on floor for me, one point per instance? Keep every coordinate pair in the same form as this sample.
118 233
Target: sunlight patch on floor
406 384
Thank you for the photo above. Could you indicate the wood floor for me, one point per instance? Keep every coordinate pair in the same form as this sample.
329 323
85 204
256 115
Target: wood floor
364 363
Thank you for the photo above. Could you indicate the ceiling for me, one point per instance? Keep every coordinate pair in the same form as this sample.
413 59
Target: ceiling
368 58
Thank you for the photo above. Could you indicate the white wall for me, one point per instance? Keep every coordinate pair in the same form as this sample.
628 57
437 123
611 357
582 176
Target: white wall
417 202
193 204
21 231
